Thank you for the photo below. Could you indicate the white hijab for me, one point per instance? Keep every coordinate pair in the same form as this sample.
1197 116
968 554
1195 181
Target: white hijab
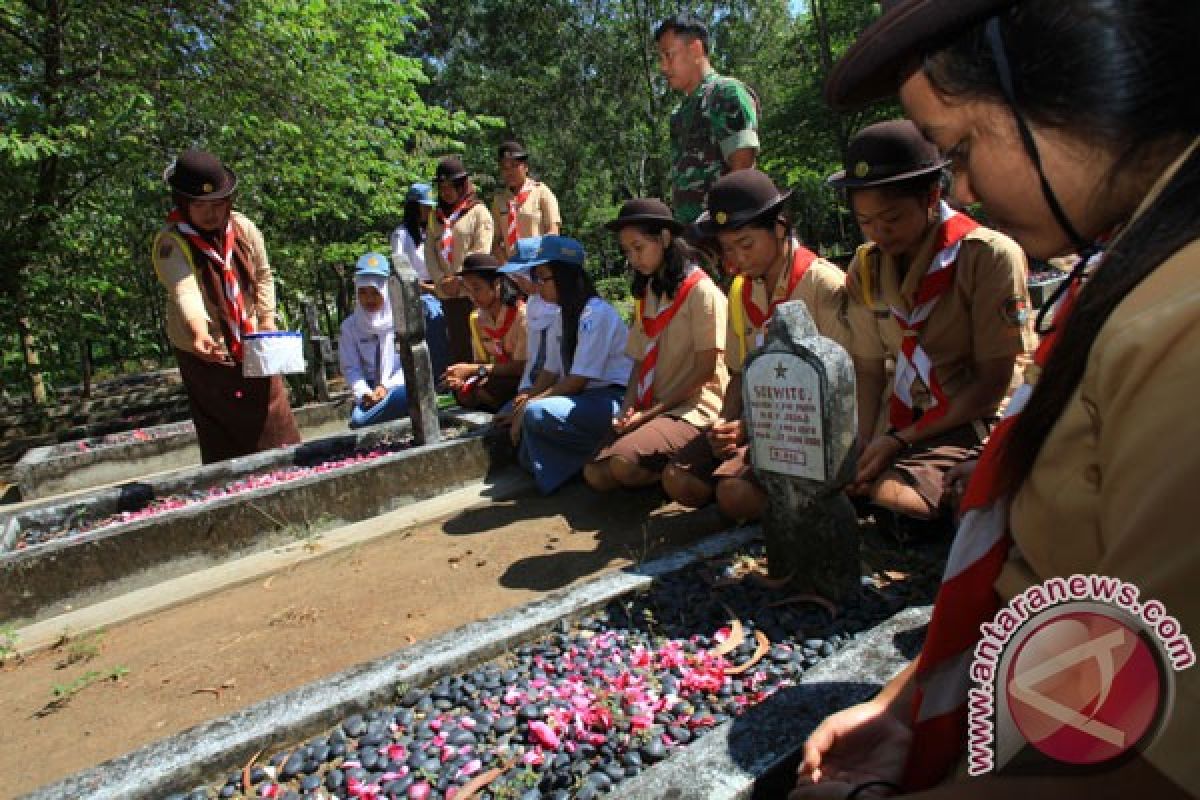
377 323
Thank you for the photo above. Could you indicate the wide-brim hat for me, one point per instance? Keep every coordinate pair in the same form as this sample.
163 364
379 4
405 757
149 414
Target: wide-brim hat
887 152
450 169
199 175
645 210
737 199
878 62
483 264
511 149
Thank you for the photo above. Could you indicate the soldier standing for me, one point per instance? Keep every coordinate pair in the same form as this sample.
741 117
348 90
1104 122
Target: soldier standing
714 130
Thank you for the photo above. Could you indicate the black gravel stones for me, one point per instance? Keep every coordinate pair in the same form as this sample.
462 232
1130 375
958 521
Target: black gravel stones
585 707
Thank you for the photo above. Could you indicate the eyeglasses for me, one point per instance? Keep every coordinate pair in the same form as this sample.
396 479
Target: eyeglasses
540 279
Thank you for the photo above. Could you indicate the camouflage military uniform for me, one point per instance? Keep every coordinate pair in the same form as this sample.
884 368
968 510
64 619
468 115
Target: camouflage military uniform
719 117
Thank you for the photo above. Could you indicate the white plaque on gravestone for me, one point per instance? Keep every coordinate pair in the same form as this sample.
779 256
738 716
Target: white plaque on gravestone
784 416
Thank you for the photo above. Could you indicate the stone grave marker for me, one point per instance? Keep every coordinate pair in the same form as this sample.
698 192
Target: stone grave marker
798 393
320 351
404 291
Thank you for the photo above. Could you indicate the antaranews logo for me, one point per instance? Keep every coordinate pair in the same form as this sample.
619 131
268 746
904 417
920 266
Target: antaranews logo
1075 673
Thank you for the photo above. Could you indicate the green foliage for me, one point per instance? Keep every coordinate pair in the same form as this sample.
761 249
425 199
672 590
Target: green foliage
328 109
8 643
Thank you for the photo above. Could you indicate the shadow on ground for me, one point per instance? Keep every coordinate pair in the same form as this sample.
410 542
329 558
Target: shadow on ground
625 525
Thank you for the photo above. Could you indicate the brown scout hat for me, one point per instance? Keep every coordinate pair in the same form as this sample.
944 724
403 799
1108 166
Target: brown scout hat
875 65
887 152
199 175
450 169
511 149
738 198
481 264
644 209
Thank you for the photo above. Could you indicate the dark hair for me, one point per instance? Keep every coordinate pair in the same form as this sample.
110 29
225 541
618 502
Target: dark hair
412 222
1112 72
574 289
676 258
466 190
510 295
683 27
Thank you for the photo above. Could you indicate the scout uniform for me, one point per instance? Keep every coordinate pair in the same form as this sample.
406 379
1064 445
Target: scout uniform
719 117
1100 500
532 211
1111 491
225 281
454 234
665 337
963 300
493 340
734 201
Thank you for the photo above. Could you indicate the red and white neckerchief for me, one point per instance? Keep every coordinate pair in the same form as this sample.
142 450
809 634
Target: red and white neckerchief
653 328
802 259
497 335
514 203
235 306
912 362
967 598
446 243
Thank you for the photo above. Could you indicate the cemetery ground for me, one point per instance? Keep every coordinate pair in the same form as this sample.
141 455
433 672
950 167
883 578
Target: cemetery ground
158 674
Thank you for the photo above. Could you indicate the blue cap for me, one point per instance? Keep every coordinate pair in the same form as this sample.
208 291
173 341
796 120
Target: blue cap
373 264
562 249
525 257
420 193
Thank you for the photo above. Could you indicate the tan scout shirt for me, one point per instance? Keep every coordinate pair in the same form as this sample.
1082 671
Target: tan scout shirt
537 216
186 299
699 325
821 290
472 234
985 314
1113 491
514 343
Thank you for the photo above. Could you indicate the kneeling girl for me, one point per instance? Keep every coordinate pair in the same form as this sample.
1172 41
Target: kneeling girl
677 342
367 348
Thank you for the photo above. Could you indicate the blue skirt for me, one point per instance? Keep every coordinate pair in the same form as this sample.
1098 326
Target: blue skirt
559 435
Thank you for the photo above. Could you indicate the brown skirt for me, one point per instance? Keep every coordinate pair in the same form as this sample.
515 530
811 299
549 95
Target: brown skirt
924 465
235 415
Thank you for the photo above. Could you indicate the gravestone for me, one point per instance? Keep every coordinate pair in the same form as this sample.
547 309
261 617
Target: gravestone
798 392
320 351
404 291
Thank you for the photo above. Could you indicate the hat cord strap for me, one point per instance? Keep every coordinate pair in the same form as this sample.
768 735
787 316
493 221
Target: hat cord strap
1004 73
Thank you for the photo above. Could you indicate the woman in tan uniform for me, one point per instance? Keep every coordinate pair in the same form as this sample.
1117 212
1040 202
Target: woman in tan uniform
940 297
745 215
460 226
498 337
213 263
1075 125
677 343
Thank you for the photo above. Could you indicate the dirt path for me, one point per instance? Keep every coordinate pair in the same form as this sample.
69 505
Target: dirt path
210 657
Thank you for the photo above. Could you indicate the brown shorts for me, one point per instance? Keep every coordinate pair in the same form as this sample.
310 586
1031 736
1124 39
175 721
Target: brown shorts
924 465
654 444
698 460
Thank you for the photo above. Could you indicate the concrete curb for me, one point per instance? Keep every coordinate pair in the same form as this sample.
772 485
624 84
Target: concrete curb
207 752
53 469
728 762
42 581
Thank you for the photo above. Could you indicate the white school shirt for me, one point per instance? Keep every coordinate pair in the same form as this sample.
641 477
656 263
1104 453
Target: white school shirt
359 358
402 243
599 349
539 316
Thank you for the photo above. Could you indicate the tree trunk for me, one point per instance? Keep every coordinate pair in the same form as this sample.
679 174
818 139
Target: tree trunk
33 367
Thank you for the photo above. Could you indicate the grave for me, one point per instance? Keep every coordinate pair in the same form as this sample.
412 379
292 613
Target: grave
801 418
86 463
643 683
100 544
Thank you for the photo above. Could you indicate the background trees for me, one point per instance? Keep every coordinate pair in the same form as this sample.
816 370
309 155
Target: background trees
328 109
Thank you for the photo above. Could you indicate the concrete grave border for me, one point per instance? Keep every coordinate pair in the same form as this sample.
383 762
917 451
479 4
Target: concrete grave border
207 752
